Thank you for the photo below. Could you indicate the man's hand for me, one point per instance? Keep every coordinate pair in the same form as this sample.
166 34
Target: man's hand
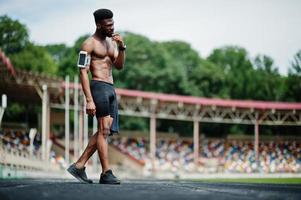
90 108
118 39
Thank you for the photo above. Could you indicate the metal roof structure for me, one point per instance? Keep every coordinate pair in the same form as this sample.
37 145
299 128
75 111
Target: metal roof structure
261 105
165 106
24 86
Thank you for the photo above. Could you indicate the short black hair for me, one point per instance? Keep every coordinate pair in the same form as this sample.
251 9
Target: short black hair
101 14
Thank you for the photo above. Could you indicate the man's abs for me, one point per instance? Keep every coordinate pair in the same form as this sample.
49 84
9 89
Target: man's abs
101 69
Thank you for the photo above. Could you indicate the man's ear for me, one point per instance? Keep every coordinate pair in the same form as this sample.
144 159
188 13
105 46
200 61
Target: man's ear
98 26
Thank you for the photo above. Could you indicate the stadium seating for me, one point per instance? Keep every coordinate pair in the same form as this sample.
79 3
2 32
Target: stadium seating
274 156
234 156
18 140
174 155
134 147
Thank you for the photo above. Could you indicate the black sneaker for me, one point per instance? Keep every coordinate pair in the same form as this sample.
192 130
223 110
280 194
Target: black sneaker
80 174
108 178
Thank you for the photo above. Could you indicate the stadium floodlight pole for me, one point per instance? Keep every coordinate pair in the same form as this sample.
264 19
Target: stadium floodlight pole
76 128
44 120
95 154
67 128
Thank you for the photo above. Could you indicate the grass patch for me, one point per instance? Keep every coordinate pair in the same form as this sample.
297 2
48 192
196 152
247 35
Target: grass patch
253 180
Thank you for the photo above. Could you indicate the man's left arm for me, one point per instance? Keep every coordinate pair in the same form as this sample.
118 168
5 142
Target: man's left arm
119 62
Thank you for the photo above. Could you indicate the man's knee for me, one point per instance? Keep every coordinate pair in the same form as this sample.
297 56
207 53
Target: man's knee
105 124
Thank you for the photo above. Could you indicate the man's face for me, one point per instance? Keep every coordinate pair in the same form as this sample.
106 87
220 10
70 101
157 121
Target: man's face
106 27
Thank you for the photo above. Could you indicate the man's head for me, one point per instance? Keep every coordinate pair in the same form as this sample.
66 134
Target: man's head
104 21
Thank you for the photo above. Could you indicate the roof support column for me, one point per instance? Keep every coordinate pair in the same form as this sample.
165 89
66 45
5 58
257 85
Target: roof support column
2 108
85 124
153 134
81 129
256 142
196 142
48 141
75 125
67 127
153 140
44 120
95 155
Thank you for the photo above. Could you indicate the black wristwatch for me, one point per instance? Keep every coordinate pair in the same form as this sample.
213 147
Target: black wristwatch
122 48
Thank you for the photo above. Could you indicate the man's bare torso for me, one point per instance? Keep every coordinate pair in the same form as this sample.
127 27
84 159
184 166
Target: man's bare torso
103 55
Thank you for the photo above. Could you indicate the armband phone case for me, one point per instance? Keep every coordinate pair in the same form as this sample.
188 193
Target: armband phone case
83 59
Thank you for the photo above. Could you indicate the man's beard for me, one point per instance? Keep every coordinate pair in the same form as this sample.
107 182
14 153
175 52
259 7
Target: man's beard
110 34
107 33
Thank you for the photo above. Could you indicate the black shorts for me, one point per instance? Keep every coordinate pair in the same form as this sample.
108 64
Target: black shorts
105 100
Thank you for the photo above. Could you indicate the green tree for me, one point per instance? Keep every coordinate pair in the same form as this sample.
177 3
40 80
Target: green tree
34 58
57 51
208 80
293 81
237 67
265 78
296 64
66 57
182 60
13 35
144 58
14 41
160 67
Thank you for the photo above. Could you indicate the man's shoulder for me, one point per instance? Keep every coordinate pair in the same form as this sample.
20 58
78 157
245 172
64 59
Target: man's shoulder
88 44
89 41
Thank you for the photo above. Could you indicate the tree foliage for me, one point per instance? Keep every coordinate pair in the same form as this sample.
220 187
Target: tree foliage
13 35
14 41
34 58
293 81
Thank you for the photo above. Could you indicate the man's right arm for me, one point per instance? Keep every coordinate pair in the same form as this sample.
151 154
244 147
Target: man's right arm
90 107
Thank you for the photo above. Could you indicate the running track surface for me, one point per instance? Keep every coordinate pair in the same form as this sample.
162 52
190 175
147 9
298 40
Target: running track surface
66 189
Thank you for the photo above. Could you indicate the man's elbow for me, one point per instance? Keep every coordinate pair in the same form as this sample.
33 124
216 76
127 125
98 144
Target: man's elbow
119 66
83 73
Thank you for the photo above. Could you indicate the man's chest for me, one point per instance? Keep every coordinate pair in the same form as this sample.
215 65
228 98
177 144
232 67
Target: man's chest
105 49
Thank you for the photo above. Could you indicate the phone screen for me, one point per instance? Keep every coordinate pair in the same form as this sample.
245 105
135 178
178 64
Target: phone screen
82 59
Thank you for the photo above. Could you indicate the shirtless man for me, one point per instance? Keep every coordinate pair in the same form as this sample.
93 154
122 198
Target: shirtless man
106 49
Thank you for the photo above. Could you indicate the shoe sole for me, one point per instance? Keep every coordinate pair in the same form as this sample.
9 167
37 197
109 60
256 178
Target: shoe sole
111 183
76 176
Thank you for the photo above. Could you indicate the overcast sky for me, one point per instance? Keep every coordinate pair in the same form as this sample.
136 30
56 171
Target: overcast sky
271 27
